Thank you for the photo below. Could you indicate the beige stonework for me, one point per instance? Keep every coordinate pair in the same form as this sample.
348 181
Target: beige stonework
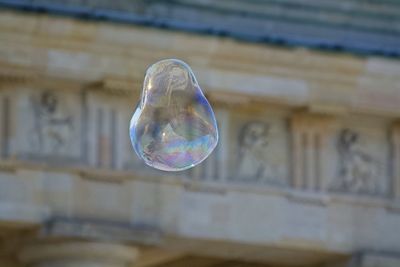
306 172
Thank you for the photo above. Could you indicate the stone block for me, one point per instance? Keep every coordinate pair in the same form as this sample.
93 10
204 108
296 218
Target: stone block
102 199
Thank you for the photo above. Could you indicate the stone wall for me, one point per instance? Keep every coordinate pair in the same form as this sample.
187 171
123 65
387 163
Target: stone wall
308 159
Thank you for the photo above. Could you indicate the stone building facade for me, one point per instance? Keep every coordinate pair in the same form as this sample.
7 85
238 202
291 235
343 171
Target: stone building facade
306 173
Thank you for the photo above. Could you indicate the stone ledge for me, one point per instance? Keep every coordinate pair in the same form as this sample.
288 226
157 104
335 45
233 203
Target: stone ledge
118 176
79 251
362 200
312 198
92 229
23 214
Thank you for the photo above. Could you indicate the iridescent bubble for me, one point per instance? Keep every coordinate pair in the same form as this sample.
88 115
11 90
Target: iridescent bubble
173 127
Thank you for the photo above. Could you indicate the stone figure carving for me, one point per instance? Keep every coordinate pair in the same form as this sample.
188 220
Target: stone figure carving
52 129
359 172
253 143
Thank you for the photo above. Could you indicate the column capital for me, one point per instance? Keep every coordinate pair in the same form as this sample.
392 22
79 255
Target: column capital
78 253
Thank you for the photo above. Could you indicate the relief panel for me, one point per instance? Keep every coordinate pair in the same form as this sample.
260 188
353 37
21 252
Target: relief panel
49 125
261 149
362 157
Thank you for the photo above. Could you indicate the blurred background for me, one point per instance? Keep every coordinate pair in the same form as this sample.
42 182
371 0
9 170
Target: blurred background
307 169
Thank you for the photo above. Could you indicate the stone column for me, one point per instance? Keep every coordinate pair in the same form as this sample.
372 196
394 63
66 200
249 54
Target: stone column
310 134
78 254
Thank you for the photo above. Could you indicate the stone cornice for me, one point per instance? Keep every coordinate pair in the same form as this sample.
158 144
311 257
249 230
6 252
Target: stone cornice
15 75
115 86
120 177
114 57
12 75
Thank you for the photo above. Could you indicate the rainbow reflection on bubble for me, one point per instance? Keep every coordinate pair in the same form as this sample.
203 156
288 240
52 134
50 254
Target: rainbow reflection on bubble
173 127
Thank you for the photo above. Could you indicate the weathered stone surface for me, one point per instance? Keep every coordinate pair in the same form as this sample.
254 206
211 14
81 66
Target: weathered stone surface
307 163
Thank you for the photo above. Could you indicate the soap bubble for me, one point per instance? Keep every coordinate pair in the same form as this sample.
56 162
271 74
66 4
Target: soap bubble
173 127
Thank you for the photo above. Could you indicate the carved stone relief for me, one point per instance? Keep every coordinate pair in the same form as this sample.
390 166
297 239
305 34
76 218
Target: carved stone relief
255 150
53 129
359 171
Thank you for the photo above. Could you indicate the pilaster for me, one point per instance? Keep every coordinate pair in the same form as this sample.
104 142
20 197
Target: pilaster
310 134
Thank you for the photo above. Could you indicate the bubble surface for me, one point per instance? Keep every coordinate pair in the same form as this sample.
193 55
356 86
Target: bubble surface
173 127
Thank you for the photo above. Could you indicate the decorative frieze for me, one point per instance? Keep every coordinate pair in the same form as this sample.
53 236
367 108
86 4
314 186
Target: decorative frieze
314 152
